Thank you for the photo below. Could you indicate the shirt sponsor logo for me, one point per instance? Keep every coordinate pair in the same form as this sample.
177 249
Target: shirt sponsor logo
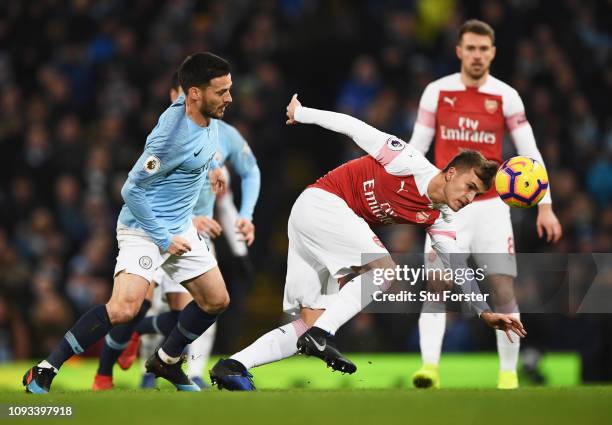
383 212
467 132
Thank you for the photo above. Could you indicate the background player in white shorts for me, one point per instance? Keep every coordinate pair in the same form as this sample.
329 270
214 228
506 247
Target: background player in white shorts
154 230
329 233
473 110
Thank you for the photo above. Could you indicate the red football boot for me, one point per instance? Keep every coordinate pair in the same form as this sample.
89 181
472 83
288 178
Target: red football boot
128 357
102 383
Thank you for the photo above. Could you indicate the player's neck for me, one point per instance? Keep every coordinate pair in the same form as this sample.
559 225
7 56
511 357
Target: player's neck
193 112
473 82
435 189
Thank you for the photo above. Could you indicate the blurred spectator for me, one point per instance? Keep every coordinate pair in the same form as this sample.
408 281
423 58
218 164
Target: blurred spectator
14 334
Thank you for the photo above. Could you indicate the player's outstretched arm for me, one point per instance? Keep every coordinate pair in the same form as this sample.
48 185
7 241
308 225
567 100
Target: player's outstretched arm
367 137
395 155
443 242
525 143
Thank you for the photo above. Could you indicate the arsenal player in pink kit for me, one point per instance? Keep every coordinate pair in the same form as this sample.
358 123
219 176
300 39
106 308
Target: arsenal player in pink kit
329 232
474 110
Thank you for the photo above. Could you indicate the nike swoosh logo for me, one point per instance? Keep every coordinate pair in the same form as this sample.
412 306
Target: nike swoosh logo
198 152
319 346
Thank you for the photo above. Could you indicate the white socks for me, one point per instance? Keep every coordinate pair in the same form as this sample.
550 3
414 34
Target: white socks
199 352
508 351
431 333
277 344
346 305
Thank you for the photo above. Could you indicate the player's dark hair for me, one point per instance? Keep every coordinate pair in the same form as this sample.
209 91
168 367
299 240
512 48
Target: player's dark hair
476 26
174 81
470 159
198 69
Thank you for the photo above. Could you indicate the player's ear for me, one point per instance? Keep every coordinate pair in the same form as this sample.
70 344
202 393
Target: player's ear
458 51
195 93
450 173
493 51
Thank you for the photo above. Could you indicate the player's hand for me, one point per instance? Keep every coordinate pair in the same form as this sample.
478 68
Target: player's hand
246 228
504 322
218 183
207 225
548 223
294 103
178 246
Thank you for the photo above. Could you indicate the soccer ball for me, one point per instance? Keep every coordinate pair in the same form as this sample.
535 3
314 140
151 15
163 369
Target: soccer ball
521 182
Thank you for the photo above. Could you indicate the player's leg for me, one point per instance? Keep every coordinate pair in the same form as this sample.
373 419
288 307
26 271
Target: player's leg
343 243
493 246
129 291
150 342
279 343
196 270
319 340
115 343
502 295
432 320
210 298
161 323
232 374
432 324
200 349
303 293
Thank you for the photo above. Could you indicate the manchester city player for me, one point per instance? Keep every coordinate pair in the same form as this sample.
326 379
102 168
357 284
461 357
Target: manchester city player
154 229
239 231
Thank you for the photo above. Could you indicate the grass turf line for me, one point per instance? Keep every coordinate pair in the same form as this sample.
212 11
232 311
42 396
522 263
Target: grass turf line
375 371
559 406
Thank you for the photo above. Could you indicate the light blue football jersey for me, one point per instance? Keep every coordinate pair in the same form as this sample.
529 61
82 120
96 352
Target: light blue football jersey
163 186
236 151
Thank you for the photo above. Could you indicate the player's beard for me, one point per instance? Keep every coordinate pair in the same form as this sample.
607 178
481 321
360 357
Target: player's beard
476 73
214 112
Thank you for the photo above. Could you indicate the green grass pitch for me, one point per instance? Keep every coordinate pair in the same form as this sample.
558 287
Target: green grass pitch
303 391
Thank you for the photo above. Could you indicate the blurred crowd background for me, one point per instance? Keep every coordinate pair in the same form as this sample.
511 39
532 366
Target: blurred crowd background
83 82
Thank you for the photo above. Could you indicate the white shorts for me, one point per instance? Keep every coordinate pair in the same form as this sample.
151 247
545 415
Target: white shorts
165 283
139 255
326 238
485 230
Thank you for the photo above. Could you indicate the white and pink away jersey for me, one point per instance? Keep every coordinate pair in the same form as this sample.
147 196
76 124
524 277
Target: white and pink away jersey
387 187
461 117
377 196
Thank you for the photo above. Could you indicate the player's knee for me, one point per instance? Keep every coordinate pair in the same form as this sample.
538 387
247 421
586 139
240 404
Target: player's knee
120 312
216 304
